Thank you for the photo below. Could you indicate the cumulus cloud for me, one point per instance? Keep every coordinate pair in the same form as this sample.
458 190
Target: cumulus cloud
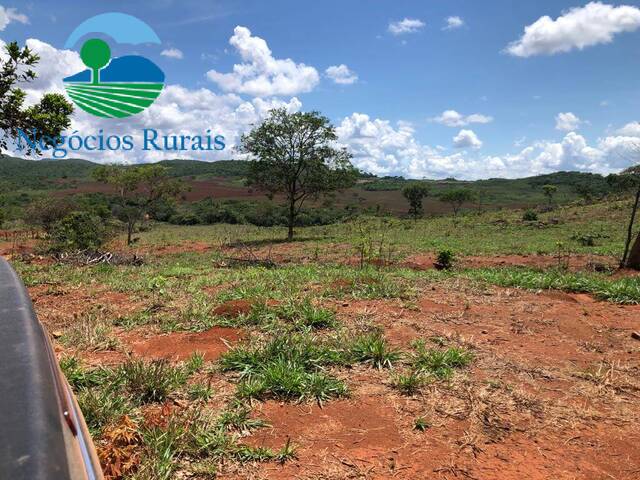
8 15
341 74
452 23
262 75
383 148
451 118
467 139
580 27
631 129
172 53
379 146
53 66
406 25
567 122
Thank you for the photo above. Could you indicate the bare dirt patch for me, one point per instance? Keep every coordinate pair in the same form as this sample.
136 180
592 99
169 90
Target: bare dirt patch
57 306
233 308
181 345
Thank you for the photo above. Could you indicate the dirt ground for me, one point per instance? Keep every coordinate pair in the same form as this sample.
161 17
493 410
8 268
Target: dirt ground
553 391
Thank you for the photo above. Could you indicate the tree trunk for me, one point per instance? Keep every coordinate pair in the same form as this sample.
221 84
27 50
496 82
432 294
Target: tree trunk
625 261
129 233
292 218
634 257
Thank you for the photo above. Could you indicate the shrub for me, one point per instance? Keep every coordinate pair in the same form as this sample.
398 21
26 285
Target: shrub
78 231
445 260
530 216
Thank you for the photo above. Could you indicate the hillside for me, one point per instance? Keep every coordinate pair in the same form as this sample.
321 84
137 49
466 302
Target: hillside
225 180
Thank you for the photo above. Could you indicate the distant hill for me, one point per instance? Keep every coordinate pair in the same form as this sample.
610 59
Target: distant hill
50 173
38 176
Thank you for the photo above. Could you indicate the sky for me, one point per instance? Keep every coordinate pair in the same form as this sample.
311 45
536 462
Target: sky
424 89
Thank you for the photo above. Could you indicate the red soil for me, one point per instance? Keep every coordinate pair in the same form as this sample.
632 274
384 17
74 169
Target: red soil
56 305
233 308
180 346
552 393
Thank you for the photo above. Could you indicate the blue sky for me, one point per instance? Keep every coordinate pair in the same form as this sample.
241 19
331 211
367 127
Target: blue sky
569 101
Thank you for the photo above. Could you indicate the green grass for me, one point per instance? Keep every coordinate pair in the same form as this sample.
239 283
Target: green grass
373 349
624 290
421 424
288 367
153 381
439 363
409 383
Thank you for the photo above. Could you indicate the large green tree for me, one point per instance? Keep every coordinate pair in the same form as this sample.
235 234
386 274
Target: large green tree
294 154
139 189
50 116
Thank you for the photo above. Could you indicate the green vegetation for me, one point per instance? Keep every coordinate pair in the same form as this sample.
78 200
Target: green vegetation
415 194
439 363
457 198
372 348
50 116
287 367
294 155
140 190
617 290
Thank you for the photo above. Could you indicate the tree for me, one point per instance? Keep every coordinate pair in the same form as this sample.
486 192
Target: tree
549 191
139 189
294 154
95 54
456 198
49 117
415 194
629 181
44 213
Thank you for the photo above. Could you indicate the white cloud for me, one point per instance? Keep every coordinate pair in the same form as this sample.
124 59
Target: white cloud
567 122
8 15
53 66
631 129
384 149
453 23
451 118
341 74
378 145
467 139
172 53
580 27
407 25
262 75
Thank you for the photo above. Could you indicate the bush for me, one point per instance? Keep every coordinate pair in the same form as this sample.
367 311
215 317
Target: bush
530 216
45 213
78 231
445 260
